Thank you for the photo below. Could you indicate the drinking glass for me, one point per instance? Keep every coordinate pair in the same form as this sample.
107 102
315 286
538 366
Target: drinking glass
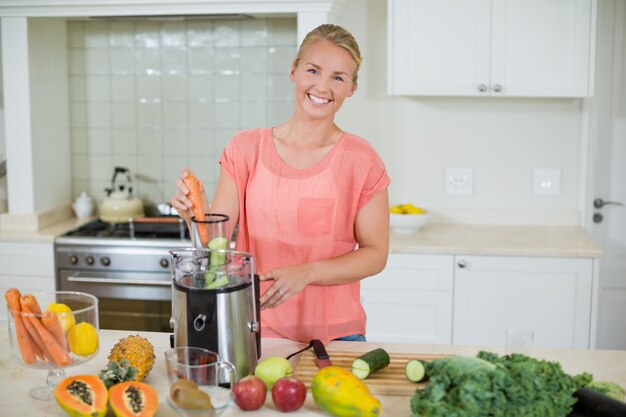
211 231
518 340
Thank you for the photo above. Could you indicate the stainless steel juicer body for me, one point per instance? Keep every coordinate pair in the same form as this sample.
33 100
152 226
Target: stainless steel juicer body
225 320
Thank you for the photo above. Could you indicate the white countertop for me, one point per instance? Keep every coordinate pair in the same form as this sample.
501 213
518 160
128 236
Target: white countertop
16 381
437 238
461 239
44 235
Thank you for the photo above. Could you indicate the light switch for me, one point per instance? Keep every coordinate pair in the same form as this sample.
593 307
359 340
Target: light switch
547 181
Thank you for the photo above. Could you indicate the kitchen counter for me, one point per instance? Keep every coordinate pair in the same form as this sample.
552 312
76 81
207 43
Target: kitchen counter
44 235
437 238
458 239
16 381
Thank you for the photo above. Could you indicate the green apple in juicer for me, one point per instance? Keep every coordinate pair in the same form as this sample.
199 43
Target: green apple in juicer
272 369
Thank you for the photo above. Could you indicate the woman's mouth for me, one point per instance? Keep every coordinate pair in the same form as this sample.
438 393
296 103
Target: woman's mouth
318 100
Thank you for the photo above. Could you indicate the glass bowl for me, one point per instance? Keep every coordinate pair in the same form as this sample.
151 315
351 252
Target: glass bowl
52 330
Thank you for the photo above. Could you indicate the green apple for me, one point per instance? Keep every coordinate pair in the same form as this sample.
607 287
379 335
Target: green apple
272 369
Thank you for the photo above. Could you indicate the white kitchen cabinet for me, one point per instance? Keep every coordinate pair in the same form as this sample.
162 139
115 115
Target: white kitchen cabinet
551 296
512 48
411 300
27 266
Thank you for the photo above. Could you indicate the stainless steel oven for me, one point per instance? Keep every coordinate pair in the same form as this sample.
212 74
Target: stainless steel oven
126 266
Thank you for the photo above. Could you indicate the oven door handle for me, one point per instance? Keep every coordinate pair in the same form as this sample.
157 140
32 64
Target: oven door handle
76 278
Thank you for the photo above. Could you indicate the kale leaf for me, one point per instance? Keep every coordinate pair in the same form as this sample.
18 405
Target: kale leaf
494 386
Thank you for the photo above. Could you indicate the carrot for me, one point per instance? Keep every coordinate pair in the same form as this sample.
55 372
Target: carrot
29 304
12 296
40 347
51 321
56 351
195 194
30 301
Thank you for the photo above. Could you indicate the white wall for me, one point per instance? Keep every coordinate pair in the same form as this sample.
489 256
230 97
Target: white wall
503 140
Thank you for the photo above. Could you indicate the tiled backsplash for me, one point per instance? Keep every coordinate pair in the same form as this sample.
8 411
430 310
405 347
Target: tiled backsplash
155 96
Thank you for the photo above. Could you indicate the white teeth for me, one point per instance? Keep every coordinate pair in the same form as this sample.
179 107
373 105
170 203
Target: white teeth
318 100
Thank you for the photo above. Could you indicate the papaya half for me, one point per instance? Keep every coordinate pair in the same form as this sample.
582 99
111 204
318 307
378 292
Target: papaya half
133 399
82 396
341 394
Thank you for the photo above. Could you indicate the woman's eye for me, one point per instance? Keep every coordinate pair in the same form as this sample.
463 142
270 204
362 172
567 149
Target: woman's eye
338 78
312 71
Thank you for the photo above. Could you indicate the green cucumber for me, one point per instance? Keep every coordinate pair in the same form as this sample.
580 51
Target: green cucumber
218 258
370 362
415 370
217 283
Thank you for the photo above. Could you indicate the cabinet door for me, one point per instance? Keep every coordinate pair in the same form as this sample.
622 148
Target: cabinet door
411 300
542 48
551 296
439 47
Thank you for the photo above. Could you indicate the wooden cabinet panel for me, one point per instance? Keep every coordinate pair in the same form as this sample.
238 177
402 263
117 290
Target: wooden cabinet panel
551 296
508 48
411 300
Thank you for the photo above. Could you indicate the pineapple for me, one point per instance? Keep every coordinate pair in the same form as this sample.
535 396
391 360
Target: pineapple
117 372
138 351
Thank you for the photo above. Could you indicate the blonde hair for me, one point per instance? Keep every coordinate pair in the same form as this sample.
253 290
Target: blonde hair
337 35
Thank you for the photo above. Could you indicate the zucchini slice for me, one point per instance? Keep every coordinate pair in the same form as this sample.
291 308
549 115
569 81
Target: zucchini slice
370 362
415 370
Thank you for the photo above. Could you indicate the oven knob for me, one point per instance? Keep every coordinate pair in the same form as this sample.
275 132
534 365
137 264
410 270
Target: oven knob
105 261
89 260
73 259
164 262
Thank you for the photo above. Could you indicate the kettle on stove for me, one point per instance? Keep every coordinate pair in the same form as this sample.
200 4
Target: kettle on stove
223 318
119 204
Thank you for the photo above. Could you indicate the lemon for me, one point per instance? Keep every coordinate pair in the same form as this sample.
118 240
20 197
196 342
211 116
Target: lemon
409 208
83 339
395 209
64 313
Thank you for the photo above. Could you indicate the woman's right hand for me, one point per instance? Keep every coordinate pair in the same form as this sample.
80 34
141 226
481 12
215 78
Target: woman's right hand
181 201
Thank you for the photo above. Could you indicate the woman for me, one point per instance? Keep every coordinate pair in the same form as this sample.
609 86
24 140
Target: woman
311 201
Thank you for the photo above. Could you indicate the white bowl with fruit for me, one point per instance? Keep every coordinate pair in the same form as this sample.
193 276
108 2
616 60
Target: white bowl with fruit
407 218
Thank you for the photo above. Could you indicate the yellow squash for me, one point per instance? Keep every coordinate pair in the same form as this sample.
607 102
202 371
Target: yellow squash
341 394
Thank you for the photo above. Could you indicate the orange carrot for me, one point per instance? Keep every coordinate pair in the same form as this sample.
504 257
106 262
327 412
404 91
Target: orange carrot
30 305
27 349
53 324
195 195
56 351
40 347
30 301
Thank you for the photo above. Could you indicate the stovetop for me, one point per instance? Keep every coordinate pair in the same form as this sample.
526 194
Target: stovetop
161 228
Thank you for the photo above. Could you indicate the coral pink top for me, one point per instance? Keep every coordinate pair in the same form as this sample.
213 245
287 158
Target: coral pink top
290 216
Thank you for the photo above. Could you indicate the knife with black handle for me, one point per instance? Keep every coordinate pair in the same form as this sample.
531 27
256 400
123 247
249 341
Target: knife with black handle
321 356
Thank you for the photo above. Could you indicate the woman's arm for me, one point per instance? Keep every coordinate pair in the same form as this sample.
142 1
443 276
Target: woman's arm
372 234
226 199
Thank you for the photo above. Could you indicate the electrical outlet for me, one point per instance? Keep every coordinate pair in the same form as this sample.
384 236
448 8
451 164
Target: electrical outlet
459 180
546 181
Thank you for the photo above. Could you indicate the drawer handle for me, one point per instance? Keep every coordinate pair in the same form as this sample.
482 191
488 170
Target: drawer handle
462 264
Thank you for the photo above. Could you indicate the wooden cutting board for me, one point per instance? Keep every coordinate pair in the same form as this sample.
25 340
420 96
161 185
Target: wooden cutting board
388 381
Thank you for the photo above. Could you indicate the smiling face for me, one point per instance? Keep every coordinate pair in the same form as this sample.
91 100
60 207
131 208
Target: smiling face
324 78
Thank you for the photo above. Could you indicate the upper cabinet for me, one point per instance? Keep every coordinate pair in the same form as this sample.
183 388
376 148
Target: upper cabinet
508 48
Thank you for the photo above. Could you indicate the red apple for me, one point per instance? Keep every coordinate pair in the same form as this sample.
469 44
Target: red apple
249 393
288 394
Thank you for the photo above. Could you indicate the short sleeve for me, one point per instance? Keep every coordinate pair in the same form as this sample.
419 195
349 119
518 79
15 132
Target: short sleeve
377 179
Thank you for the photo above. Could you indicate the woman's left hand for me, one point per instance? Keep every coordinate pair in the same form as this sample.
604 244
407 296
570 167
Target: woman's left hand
288 281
